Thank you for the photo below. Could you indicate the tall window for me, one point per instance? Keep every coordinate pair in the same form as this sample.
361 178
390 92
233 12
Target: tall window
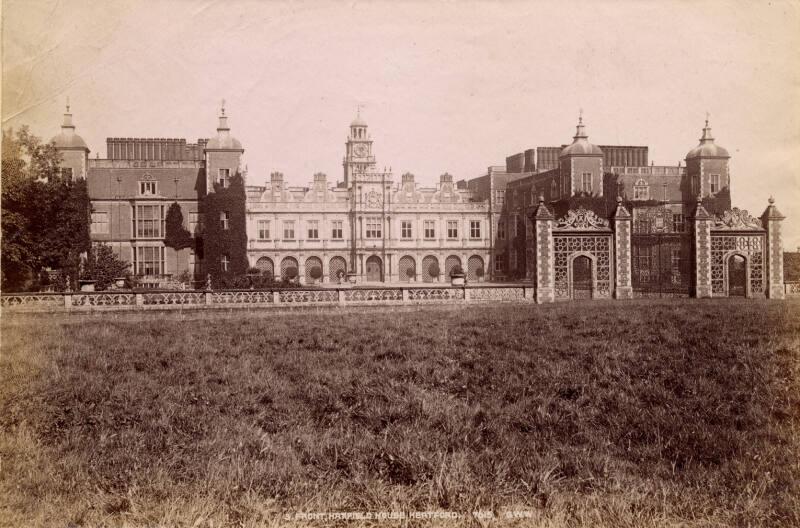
714 183
501 229
452 229
336 229
149 221
586 182
514 226
263 230
99 223
224 220
224 178
66 173
499 262
429 229
149 260
405 229
500 197
677 222
695 185
373 227
641 191
224 262
313 229
288 229
195 223
474 228
148 188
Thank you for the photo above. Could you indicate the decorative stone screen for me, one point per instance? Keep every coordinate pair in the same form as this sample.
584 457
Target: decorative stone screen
336 267
451 262
265 265
427 262
311 263
288 262
749 246
597 247
407 268
474 263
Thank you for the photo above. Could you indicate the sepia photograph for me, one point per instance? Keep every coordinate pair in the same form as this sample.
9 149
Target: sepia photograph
524 263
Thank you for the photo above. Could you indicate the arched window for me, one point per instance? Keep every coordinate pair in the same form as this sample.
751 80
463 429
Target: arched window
641 191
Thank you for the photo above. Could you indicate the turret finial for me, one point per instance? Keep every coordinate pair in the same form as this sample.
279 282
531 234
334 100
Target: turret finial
771 200
67 104
222 107
707 116
580 116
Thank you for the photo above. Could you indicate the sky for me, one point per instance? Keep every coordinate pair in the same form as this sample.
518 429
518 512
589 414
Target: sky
444 86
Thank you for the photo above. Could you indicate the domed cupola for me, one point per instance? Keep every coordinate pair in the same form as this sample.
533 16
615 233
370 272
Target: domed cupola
224 140
68 139
580 143
358 121
707 148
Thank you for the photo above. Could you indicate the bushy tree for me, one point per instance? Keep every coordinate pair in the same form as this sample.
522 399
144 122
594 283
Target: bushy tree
45 219
103 266
176 236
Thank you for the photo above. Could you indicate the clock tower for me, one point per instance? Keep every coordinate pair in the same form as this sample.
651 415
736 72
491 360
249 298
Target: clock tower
358 151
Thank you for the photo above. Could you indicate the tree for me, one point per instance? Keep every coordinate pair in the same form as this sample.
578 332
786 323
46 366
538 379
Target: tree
176 236
45 218
103 266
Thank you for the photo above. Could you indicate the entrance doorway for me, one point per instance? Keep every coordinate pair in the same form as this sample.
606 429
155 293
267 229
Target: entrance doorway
582 278
737 276
374 269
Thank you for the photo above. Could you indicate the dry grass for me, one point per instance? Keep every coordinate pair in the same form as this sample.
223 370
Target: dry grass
680 413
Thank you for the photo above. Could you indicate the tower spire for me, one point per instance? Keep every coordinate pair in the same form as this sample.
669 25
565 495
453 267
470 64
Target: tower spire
707 137
580 129
67 124
223 119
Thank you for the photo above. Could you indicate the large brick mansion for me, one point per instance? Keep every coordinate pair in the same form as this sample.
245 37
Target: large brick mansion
577 220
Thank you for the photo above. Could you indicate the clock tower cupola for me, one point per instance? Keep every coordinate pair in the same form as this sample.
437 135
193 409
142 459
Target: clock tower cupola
358 150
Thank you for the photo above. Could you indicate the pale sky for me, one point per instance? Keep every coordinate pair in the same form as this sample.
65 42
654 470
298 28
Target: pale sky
446 86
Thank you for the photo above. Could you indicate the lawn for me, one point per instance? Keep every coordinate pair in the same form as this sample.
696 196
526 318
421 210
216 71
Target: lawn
612 414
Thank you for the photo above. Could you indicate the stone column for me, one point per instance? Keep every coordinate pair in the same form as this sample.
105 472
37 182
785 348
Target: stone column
702 251
623 288
544 253
773 265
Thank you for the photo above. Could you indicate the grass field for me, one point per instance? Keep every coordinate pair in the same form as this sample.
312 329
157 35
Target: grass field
613 414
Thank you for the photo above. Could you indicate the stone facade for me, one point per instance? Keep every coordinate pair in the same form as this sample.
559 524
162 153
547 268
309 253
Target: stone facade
566 220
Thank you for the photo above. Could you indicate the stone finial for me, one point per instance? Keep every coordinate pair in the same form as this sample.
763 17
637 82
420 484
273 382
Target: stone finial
541 199
771 200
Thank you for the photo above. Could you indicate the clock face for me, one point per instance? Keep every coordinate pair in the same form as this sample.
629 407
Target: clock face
360 150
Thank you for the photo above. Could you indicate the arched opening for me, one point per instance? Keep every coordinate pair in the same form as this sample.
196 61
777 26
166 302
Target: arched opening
582 277
475 268
429 265
266 266
313 263
374 269
289 268
737 276
337 269
451 262
407 268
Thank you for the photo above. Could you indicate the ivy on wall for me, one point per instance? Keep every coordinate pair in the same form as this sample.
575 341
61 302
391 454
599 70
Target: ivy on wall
227 237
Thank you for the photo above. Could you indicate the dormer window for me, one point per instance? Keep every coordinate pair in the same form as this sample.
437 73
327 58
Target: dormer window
224 178
148 188
641 191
